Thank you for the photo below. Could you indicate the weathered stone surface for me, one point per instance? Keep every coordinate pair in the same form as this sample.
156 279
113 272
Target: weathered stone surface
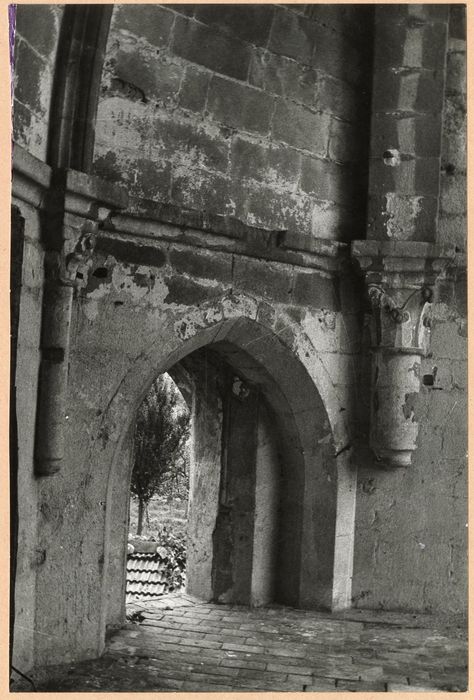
40 28
157 79
202 265
151 23
273 165
310 289
195 188
193 90
300 127
251 25
255 107
268 282
210 48
241 137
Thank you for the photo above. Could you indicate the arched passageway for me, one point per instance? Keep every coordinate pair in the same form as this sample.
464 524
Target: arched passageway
262 513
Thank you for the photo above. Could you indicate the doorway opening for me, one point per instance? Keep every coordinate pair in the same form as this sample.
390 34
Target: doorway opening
263 481
211 469
159 489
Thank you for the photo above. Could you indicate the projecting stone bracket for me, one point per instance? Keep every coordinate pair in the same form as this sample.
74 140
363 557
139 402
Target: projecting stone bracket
401 279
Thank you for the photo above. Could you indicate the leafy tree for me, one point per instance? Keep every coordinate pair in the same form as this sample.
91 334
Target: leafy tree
160 442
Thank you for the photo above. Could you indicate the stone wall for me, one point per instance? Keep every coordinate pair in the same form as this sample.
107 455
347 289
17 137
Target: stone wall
167 280
411 525
129 324
452 216
36 41
254 111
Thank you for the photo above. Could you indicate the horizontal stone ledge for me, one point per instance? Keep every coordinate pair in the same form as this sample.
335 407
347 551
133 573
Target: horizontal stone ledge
227 226
36 183
91 189
83 195
31 178
405 256
145 233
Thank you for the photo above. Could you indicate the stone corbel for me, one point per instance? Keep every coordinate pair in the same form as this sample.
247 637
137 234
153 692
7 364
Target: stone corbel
400 278
71 224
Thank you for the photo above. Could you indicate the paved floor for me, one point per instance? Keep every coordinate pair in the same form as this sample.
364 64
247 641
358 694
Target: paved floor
184 645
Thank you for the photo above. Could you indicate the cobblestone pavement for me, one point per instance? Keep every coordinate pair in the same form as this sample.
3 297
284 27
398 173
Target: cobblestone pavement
185 645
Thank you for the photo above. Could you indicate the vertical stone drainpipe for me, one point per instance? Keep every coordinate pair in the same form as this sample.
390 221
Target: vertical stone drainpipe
55 342
79 204
399 258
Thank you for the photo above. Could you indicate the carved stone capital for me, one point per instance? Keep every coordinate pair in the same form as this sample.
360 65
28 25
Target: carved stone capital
400 279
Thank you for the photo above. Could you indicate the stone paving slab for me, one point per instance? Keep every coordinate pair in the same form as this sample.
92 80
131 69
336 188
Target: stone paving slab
182 644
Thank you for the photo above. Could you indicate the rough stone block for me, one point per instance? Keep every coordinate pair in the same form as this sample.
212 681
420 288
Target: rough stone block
402 217
414 91
267 280
350 21
193 91
301 83
452 230
149 179
345 144
32 89
150 22
187 10
419 176
456 72
262 206
213 266
208 47
200 189
421 13
145 177
333 221
327 180
127 252
32 270
190 144
457 22
283 76
39 25
395 47
292 35
413 134
454 194
340 98
121 120
239 106
454 145
106 164
29 131
274 165
447 341
313 290
157 78
337 57
300 127
249 23
185 291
